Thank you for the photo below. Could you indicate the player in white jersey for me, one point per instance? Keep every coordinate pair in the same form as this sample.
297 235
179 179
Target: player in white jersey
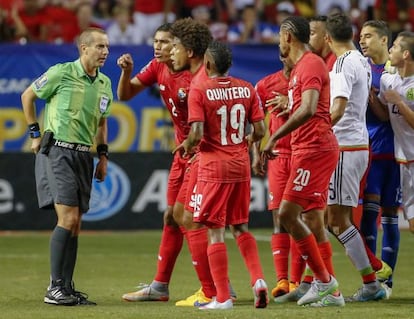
397 90
350 86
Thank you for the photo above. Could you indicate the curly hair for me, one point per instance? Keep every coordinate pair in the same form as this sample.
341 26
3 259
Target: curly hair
193 35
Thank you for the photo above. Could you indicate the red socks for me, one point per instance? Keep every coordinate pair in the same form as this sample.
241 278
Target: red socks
297 264
198 242
248 248
218 260
170 247
310 252
280 244
325 249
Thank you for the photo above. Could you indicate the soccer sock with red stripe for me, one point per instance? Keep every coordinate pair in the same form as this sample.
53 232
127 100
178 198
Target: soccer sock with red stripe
356 250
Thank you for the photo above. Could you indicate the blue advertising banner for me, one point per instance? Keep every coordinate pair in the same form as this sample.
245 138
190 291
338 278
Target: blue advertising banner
133 195
141 124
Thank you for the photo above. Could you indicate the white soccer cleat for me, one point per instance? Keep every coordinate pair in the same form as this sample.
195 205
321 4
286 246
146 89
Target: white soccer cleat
330 301
260 294
318 290
215 305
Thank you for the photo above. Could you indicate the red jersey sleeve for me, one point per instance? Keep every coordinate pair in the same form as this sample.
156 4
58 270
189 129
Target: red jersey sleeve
314 74
195 102
256 110
149 73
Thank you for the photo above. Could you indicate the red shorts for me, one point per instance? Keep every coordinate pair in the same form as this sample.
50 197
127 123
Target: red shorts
278 171
176 178
188 188
309 178
221 204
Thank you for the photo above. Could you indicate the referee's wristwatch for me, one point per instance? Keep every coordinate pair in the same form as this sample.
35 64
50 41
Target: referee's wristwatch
102 150
34 130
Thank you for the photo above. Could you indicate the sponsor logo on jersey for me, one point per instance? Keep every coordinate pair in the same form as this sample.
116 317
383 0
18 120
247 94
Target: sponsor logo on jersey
182 94
410 94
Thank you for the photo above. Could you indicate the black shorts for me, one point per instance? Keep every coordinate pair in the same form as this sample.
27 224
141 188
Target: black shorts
64 176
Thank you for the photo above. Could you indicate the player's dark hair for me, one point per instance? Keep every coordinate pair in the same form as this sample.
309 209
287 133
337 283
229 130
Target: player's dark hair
193 35
165 27
381 28
339 27
407 41
221 55
318 19
298 27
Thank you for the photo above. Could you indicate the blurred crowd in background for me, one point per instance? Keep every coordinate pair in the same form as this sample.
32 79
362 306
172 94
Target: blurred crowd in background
134 21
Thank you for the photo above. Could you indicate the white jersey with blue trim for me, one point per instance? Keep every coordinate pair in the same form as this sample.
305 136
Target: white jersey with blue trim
403 132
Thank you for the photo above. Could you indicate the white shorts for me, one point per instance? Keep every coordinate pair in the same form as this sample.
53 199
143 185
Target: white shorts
407 188
346 179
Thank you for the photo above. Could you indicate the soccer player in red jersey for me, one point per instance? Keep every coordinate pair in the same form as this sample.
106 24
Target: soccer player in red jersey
318 42
173 89
220 108
314 157
273 90
191 39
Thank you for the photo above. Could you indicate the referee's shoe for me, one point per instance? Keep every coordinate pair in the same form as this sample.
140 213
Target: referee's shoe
81 297
57 294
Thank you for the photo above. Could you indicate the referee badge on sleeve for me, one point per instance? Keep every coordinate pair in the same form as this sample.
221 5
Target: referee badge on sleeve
40 81
103 104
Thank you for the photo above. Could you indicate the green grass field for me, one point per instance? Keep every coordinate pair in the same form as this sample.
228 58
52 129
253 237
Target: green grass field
110 264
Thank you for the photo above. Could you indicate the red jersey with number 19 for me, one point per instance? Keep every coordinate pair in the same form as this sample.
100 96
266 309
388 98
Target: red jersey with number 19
225 105
174 88
310 72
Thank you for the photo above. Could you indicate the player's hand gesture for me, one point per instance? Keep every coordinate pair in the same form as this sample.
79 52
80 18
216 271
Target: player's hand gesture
185 148
392 96
125 62
279 103
258 165
268 151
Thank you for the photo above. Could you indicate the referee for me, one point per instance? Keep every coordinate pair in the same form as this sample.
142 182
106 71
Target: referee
78 98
